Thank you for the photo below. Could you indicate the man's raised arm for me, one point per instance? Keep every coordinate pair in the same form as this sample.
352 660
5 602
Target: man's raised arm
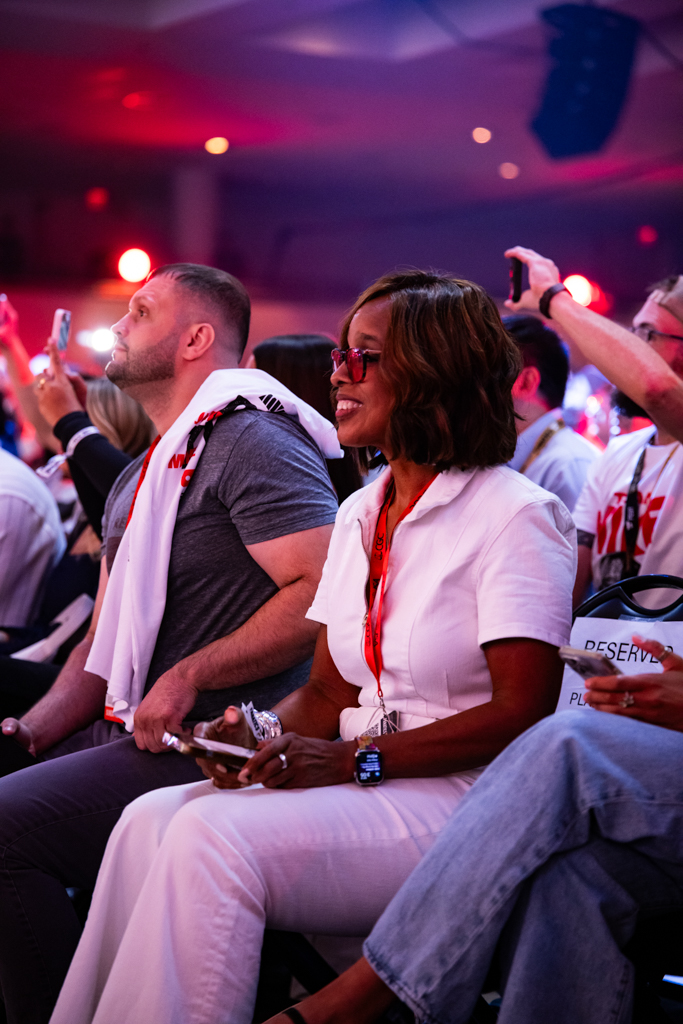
625 360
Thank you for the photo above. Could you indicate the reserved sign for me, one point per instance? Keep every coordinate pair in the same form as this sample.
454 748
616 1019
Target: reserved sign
612 637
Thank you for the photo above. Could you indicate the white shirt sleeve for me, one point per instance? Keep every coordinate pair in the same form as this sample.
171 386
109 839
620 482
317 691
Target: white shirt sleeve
525 577
26 555
318 611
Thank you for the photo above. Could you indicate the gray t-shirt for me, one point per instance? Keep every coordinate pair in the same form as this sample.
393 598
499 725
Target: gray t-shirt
260 476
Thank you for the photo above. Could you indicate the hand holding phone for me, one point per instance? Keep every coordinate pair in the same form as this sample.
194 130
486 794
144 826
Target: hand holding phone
516 266
61 323
588 663
196 746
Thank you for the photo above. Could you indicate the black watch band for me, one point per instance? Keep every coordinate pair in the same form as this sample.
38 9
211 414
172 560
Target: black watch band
544 304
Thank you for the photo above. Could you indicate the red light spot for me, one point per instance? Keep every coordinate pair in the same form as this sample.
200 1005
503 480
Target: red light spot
135 100
588 293
647 235
97 198
134 265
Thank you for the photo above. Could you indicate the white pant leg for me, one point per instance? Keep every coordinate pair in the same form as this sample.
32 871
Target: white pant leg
125 865
323 860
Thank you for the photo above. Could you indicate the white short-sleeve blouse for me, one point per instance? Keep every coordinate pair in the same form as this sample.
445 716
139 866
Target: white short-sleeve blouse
484 555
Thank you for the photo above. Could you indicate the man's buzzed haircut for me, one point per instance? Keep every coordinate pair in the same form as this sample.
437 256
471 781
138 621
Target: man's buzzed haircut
224 292
541 347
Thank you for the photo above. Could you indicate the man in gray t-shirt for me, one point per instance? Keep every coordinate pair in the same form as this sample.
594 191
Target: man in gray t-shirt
260 477
248 548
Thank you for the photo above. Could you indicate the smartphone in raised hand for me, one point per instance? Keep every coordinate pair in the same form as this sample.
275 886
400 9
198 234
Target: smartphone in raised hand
61 323
516 267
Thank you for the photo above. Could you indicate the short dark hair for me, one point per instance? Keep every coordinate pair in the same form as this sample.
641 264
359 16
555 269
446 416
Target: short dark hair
540 346
450 365
225 293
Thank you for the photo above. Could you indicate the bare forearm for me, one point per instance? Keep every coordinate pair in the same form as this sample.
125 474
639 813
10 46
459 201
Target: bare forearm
625 360
75 699
309 712
467 740
275 638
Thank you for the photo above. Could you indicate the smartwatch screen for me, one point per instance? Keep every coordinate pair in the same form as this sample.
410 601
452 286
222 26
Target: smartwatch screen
369 767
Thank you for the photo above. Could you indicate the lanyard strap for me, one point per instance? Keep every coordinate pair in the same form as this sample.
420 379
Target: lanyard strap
379 565
632 509
542 441
143 474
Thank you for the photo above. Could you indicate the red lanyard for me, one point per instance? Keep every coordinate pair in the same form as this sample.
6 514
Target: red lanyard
379 565
143 473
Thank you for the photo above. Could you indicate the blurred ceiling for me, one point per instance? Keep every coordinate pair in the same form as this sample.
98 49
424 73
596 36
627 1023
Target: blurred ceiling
381 95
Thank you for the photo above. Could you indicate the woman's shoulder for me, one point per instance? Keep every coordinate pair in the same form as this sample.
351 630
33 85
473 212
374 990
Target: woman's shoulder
517 495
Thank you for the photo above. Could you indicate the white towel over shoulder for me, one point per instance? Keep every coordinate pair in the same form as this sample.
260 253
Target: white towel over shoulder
136 591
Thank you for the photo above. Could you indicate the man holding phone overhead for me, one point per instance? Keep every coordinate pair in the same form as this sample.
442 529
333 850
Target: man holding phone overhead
628 515
213 548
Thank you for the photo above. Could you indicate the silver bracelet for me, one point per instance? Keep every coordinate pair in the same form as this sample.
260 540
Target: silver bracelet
265 725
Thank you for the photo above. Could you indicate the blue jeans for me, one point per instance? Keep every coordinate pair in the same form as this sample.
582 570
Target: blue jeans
571 836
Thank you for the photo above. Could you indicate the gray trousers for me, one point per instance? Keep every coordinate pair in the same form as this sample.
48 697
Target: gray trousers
55 820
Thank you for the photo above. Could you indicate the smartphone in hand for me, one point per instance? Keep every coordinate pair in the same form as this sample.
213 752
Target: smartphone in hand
515 279
61 323
588 663
196 746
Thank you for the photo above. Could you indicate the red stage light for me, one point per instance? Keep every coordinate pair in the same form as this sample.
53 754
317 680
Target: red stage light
134 265
588 293
97 198
579 288
647 235
135 100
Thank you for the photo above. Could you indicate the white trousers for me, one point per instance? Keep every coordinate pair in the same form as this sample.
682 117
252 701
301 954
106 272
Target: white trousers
192 876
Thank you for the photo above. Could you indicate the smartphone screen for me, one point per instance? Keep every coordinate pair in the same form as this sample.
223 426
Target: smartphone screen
61 322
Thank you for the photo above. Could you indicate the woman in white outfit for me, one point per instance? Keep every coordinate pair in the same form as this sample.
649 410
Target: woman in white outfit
446 593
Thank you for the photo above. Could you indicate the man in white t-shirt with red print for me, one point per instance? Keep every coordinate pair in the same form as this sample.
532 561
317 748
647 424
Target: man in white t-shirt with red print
618 535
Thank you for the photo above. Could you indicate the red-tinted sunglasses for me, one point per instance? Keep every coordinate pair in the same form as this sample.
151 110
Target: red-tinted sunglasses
356 360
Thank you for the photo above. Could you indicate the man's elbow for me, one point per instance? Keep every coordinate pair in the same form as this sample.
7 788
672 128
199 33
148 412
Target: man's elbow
662 396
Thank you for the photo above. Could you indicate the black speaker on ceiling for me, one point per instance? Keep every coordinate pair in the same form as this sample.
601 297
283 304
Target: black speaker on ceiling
593 56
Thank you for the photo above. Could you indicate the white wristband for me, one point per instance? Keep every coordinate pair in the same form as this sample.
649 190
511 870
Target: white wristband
53 464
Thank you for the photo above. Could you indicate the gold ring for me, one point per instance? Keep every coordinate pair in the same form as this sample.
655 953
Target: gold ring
41 383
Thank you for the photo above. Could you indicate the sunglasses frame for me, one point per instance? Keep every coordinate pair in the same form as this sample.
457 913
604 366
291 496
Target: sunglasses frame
340 357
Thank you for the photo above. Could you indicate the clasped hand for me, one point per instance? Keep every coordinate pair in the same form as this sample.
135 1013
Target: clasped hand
308 761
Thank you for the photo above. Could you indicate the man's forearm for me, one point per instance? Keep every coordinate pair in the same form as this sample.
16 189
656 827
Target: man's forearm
75 699
625 360
275 638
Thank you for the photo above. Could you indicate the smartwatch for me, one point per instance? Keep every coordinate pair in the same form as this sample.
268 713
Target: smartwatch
369 770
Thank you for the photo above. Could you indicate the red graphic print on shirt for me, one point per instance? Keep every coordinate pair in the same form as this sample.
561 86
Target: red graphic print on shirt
610 536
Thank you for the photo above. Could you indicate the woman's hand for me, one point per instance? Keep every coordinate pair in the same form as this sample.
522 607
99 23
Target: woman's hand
59 393
657 696
231 728
292 762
